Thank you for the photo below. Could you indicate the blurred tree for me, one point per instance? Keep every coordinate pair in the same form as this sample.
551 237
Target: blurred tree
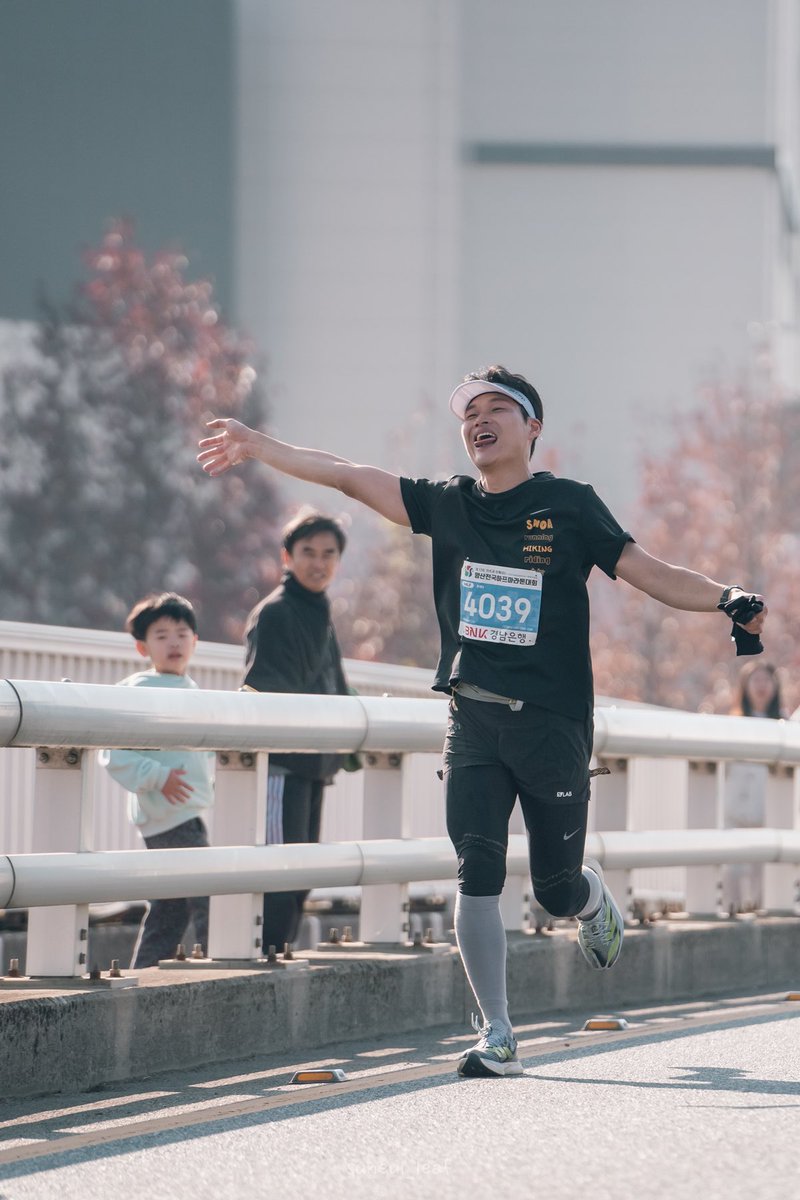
101 499
720 501
388 614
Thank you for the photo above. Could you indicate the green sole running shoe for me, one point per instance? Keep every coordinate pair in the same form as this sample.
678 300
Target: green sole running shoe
600 937
495 1053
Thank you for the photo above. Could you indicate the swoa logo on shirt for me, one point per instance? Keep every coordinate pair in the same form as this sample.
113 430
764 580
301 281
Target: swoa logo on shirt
537 549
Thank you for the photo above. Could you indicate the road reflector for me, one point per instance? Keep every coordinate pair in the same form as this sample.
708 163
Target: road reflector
793 996
334 1075
598 1024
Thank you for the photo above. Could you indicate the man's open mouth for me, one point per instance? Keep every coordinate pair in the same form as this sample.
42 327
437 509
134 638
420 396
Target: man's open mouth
485 438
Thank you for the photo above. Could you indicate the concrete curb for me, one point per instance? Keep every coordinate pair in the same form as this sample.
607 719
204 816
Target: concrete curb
61 1036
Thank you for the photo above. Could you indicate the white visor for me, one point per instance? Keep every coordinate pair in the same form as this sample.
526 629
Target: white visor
480 387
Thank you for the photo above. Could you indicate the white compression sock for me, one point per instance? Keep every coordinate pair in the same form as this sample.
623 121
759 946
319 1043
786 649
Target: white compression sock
482 943
592 905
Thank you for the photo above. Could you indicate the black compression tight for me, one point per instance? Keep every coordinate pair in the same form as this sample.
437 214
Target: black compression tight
480 800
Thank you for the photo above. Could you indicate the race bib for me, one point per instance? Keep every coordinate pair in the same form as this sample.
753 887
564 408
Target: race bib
500 604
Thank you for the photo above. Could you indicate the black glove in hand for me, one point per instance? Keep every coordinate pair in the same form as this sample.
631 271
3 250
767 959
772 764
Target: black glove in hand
741 609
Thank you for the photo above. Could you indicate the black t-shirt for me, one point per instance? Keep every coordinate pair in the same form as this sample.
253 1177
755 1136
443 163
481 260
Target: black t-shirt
509 583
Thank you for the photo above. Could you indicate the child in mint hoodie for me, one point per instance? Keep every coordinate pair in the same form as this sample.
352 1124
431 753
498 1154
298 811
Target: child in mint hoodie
169 789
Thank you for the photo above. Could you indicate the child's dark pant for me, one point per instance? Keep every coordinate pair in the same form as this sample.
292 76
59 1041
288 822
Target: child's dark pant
167 921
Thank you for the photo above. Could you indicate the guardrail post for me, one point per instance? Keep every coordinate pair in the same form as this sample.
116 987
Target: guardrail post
62 821
384 907
240 819
611 809
782 811
704 805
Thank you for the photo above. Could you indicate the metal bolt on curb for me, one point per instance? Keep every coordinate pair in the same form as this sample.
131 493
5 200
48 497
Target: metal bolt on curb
180 952
429 935
417 940
272 954
347 933
333 936
94 974
115 972
197 951
13 969
287 952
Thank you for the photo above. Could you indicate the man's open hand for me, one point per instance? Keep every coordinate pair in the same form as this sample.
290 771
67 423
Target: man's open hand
231 445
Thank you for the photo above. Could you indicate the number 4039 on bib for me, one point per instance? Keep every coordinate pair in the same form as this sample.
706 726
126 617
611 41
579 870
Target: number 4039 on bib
500 604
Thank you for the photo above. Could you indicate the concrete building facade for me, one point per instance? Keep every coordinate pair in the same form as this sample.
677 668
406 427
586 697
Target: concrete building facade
601 196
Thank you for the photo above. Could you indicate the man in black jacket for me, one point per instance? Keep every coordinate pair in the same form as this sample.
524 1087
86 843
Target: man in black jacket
291 646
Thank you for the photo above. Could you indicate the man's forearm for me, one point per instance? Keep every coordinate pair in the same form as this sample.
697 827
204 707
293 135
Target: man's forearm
681 588
676 586
313 466
233 443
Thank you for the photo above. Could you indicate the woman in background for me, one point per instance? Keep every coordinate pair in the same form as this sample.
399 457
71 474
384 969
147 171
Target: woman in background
759 691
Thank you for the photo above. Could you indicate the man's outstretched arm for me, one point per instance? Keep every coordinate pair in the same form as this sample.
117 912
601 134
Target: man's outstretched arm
233 443
676 586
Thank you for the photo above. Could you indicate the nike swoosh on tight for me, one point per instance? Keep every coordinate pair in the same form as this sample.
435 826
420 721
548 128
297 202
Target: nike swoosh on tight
567 836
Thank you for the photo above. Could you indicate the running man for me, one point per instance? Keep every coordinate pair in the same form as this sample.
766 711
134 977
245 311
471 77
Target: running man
512 552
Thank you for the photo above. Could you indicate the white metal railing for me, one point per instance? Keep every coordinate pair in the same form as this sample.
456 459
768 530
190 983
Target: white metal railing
32 880
66 870
37 712
29 651
54 652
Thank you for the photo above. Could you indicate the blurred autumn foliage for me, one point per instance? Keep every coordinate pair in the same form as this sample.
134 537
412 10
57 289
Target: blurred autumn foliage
387 615
101 499
723 500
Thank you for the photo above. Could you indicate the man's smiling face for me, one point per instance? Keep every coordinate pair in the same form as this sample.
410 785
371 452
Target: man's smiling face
496 429
313 561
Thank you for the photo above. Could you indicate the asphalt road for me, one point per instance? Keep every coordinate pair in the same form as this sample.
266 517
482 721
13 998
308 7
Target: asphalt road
699 1101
